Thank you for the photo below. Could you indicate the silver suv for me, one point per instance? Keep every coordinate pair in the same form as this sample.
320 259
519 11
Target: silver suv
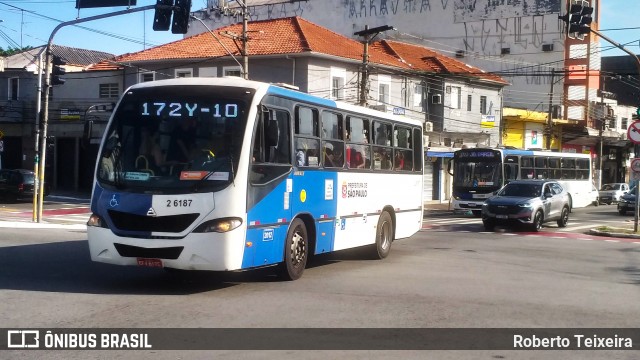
529 202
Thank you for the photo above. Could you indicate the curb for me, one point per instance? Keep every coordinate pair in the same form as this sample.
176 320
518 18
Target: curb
614 234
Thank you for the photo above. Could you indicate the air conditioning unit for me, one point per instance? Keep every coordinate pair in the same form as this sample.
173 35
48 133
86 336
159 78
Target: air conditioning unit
436 99
428 126
460 53
505 51
547 47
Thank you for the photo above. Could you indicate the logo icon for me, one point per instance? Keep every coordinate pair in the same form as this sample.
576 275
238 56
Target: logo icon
114 201
151 212
23 339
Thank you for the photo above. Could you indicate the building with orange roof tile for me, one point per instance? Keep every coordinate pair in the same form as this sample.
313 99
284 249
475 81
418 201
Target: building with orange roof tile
316 60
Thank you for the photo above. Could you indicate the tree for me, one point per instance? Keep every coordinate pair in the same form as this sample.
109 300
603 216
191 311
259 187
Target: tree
11 51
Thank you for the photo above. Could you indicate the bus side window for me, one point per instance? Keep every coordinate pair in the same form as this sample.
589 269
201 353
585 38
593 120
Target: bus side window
268 157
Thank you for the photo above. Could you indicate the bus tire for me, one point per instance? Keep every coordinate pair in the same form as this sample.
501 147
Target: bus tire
296 250
384 236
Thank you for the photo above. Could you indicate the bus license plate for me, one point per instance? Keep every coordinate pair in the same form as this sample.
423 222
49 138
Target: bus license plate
502 216
149 262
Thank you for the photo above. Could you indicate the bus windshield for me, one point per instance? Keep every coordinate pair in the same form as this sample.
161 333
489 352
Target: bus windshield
174 139
474 174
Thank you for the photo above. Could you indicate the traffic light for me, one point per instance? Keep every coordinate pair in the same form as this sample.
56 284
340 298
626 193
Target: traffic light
57 70
181 14
578 20
162 16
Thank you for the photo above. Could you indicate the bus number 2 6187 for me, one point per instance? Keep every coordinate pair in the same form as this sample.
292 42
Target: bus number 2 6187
179 203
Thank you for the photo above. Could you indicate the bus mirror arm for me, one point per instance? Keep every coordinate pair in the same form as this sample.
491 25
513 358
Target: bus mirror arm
88 130
449 168
272 133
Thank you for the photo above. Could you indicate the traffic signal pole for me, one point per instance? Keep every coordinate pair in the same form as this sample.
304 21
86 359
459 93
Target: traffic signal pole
47 89
636 147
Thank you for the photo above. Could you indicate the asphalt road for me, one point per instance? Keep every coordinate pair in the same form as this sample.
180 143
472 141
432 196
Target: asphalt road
434 279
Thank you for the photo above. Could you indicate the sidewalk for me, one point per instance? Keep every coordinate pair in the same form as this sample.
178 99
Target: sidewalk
435 207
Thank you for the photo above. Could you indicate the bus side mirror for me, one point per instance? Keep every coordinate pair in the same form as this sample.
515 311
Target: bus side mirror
272 132
449 168
86 134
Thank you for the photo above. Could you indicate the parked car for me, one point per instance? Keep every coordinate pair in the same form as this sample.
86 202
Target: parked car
529 202
18 184
593 196
627 202
610 193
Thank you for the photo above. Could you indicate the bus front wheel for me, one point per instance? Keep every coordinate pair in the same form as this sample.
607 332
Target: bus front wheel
384 236
296 249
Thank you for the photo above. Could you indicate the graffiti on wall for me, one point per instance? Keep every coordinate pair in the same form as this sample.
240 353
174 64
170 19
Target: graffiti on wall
524 32
479 27
475 10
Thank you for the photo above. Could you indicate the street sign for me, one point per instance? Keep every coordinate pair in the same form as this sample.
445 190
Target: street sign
635 169
633 132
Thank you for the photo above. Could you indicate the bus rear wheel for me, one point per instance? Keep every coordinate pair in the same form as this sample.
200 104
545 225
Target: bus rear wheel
296 250
384 236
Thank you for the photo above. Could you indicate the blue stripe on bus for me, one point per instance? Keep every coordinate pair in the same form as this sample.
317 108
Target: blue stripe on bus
313 193
296 95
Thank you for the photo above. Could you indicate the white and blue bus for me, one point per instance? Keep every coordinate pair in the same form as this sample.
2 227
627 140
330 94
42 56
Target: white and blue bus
479 172
229 174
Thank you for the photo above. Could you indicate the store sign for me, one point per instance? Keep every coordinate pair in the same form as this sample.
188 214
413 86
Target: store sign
488 121
69 114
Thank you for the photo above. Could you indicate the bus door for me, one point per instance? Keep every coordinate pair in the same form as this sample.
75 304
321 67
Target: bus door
269 190
313 188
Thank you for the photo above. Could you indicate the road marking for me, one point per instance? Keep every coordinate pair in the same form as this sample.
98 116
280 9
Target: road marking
452 221
612 241
570 228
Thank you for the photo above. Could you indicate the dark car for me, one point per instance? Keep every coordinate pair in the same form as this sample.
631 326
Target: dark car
529 202
627 202
18 184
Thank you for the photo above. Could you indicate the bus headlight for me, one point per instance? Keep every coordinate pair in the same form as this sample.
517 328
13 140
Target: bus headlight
96 221
219 225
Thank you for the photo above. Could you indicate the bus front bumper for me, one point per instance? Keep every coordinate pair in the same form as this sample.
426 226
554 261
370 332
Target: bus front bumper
197 251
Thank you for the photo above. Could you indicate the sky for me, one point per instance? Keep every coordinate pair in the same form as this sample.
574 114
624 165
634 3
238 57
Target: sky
30 23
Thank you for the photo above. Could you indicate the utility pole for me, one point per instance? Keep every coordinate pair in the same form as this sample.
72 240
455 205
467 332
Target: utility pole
550 117
369 35
364 81
600 133
245 39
